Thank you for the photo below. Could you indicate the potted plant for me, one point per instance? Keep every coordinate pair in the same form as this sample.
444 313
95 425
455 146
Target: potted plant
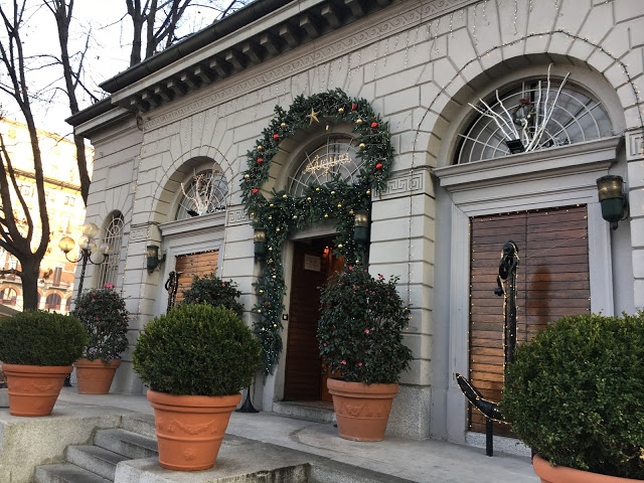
37 349
210 289
360 337
575 394
195 360
105 318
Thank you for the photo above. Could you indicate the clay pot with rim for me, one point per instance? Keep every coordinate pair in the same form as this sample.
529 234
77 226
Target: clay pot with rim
361 410
563 474
190 428
33 390
95 377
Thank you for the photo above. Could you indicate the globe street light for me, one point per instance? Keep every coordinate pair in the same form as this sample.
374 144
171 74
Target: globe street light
87 246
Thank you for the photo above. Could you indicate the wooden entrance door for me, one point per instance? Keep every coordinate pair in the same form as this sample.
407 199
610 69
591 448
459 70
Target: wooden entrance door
191 265
553 280
312 265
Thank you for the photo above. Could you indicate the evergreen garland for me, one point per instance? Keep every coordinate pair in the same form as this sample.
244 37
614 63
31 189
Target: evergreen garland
280 213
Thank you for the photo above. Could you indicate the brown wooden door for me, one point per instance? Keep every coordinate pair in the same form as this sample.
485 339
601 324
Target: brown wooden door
191 265
552 281
312 264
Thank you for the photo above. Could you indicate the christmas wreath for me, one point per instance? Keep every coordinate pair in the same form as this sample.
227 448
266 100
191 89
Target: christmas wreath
279 213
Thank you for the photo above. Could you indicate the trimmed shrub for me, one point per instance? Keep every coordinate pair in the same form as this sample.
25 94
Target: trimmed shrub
41 338
197 349
575 394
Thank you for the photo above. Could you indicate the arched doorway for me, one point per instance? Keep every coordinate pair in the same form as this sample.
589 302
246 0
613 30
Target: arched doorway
313 264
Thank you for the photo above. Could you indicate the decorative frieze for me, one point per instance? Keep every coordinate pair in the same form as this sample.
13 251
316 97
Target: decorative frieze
397 19
403 184
635 145
236 217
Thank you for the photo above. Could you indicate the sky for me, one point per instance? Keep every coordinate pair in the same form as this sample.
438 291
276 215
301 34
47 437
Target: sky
108 54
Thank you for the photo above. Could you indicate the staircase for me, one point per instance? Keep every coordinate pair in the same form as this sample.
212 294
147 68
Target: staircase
97 463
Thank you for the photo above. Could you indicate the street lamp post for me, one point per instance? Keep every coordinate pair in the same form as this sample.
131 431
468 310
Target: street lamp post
87 246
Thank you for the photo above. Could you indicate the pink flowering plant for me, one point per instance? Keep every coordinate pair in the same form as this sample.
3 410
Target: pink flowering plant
105 318
360 331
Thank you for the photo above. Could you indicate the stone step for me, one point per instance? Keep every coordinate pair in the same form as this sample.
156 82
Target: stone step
139 423
92 458
126 443
66 473
319 412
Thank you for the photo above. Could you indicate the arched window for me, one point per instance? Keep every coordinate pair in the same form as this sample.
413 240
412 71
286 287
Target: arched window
8 296
108 270
206 193
543 113
52 302
336 157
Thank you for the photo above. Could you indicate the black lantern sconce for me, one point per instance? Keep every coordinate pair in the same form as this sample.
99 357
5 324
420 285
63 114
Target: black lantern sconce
515 146
152 257
612 199
259 241
361 227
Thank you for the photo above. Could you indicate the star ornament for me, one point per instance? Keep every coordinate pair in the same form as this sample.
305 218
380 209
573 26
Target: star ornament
313 116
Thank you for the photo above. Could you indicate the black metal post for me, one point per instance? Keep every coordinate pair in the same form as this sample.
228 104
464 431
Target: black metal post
489 437
248 407
84 255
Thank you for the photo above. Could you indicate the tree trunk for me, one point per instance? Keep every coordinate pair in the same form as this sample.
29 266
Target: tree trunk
29 277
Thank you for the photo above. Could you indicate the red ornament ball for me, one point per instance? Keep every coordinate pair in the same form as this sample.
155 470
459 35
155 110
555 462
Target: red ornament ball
354 106
374 125
276 136
260 160
255 191
379 166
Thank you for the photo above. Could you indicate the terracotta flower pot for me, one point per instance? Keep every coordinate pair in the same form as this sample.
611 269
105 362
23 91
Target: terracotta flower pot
361 410
95 377
33 390
562 474
190 428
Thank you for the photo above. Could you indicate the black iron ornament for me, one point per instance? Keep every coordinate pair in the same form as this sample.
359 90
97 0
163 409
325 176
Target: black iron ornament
172 285
507 287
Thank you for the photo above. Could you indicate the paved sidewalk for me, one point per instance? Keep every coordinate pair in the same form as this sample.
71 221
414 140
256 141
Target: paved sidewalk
418 461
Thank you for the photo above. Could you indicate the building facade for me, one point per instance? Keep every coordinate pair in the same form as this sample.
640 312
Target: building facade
65 207
185 141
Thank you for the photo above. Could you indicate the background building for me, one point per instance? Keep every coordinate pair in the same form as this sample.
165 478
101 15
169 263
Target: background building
65 208
454 81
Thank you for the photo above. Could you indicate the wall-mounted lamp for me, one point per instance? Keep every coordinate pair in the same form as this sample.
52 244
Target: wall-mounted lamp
361 227
259 240
612 199
152 257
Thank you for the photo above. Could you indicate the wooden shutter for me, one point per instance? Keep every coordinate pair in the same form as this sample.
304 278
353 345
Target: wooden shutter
552 281
194 264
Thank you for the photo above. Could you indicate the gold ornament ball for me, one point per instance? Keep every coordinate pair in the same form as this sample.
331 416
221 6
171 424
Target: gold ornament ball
368 192
340 245
351 212
252 215
259 311
247 176
274 277
283 125
270 249
359 121
284 196
341 110
260 147
271 205
295 217
326 215
362 145
261 291
332 193
339 205
317 189
308 198
270 218
277 230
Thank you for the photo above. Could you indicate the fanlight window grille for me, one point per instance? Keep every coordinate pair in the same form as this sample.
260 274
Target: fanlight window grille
206 193
576 117
336 158
108 270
